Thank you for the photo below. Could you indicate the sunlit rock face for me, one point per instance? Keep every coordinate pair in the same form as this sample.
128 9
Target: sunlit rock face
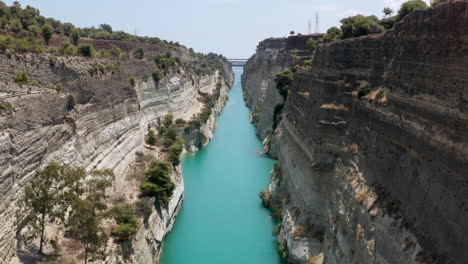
379 178
97 122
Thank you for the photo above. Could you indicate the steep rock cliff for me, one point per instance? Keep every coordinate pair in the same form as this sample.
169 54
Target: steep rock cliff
98 121
379 177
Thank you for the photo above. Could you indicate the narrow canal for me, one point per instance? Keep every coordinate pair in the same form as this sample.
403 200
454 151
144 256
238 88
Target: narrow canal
222 220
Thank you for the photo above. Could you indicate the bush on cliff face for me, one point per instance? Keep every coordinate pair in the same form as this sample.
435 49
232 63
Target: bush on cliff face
22 78
158 182
157 75
86 50
175 150
410 6
139 54
132 81
333 34
311 44
360 25
150 137
125 216
5 43
283 81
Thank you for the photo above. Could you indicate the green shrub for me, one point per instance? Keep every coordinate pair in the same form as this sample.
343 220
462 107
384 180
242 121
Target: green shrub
47 32
168 120
311 44
175 150
139 154
150 138
180 121
410 6
75 35
115 52
158 181
125 231
283 81
67 49
86 50
15 25
58 87
363 90
157 75
283 251
22 78
29 44
144 208
5 43
125 216
360 25
333 34
139 54
132 81
165 62
388 23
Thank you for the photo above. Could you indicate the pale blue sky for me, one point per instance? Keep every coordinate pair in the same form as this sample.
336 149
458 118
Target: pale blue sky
230 27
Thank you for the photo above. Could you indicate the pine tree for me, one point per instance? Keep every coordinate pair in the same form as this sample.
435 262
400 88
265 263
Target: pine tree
151 137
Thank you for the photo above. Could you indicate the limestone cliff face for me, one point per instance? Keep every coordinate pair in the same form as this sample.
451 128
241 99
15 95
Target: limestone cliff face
97 122
379 178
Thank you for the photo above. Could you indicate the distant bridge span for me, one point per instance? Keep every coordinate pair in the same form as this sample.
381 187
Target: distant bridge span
238 62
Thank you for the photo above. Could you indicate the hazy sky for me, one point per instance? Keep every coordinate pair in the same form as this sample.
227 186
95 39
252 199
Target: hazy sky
230 27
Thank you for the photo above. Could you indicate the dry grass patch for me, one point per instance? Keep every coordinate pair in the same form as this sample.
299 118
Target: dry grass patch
352 148
334 107
299 231
362 195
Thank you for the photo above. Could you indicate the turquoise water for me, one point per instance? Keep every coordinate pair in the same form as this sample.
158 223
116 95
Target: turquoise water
222 220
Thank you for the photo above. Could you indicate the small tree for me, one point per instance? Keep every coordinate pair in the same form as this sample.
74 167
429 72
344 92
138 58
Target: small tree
84 225
175 150
410 6
158 181
311 44
292 32
47 32
157 75
168 120
139 54
46 197
84 221
75 35
387 11
151 137
283 81
106 27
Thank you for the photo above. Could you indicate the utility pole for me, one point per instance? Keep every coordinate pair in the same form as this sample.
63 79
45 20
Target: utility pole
316 22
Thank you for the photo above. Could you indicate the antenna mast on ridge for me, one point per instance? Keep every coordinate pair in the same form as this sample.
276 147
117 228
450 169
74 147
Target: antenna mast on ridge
309 31
316 22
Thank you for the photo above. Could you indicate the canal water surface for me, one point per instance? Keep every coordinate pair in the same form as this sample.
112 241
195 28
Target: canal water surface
222 220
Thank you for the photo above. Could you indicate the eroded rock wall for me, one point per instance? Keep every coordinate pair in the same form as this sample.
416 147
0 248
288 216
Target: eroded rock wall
379 178
97 121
